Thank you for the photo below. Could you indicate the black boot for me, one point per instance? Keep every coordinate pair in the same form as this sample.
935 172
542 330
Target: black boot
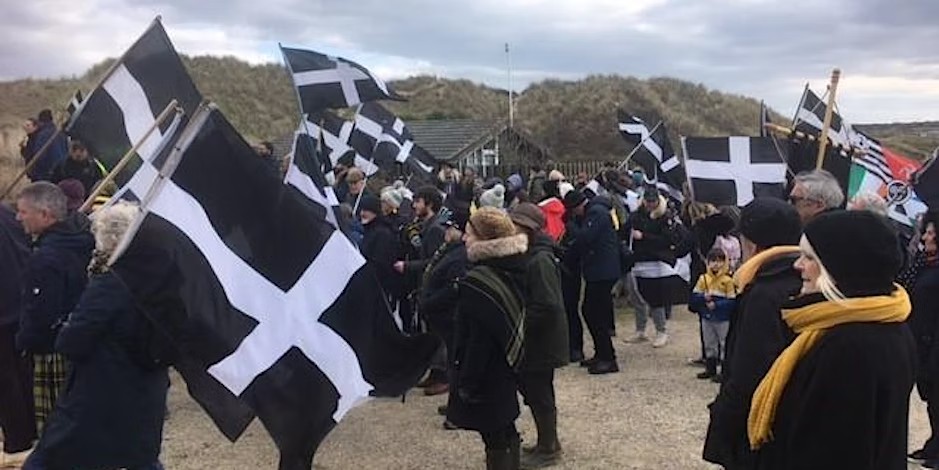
710 369
548 450
504 459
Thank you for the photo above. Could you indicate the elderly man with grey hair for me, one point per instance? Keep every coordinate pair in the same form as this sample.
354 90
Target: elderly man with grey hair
815 192
55 276
868 201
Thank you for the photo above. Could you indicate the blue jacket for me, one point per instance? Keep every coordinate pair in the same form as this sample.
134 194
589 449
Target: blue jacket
57 152
54 281
723 307
596 243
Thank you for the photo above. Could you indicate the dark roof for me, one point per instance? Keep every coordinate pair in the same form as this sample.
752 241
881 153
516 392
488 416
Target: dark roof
447 140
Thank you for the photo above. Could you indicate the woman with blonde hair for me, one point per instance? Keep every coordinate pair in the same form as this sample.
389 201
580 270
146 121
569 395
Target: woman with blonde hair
111 415
838 395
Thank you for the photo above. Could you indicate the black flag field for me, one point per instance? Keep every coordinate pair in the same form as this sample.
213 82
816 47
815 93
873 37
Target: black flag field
325 82
272 312
117 114
926 182
336 134
384 137
733 170
656 158
810 118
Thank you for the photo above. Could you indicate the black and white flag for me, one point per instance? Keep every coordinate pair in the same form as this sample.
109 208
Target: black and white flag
764 120
273 312
326 82
118 113
732 171
386 138
871 156
657 159
810 118
74 104
335 133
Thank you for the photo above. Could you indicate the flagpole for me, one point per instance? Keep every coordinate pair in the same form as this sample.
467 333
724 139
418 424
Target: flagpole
508 58
639 146
829 113
164 115
32 163
795 118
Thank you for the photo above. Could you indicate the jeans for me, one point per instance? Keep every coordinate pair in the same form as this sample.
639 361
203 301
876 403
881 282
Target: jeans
659 316
715 338
598 313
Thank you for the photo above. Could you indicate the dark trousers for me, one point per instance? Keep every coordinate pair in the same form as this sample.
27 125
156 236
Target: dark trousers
570 288
598 313
537 388
499 439
929 392
17 417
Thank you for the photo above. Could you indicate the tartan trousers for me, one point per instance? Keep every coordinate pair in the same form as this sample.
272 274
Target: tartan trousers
49 375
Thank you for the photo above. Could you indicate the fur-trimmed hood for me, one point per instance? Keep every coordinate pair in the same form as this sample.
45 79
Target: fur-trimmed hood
497 248
661 209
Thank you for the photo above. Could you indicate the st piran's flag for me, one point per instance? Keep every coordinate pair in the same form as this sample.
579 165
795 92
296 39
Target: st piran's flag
325 82
335 133
810 118
386 140
803 156
657 159
733 170
271 311
118 113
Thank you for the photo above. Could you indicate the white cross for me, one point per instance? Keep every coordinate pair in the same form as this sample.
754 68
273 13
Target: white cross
739 169
130 97
285 319
339 145
651 145
344 74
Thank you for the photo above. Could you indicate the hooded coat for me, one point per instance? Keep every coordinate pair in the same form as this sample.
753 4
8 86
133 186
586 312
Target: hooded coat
596 244
546 338
553 210
55 278
55 154
720 288
439 293
756 337
14 253
483 385
111 415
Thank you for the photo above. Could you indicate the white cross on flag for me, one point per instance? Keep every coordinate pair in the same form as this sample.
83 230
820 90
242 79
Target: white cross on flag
734 170
385 137
325 82
656 158
272 311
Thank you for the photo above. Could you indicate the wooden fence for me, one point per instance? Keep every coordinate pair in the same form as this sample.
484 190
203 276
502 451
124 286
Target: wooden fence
569 169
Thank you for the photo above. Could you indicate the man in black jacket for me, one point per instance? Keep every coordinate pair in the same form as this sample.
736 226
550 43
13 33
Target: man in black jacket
81 166
54 280
770 231
16 393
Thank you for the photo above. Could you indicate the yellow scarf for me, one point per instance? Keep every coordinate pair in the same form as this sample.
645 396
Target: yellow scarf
746 273
810 323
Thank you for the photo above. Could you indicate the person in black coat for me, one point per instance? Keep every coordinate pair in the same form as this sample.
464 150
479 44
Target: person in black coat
379 244
489 337
924 322
770 231
572 274
16 392
838 395
111 415
597 246
54 279
56 153
79 165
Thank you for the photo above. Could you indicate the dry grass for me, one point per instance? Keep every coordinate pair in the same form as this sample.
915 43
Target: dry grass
652 415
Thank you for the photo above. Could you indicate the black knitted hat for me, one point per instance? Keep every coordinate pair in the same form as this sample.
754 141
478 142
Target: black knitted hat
770 222
858 248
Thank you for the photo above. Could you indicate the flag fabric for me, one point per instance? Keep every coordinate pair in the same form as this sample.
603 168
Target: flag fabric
74 104
271 311
879 170
803 156
305 173
734 170
764 120
335 147
926 182
657 159
324 81
385 137
810 118
116 115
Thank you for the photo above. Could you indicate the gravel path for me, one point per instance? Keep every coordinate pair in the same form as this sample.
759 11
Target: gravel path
652 415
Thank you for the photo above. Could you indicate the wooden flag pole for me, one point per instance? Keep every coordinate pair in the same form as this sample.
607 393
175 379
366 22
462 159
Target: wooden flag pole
170 108
829 113
639 146
32 163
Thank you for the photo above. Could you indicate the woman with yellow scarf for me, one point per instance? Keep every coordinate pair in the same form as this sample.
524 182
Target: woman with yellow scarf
838 395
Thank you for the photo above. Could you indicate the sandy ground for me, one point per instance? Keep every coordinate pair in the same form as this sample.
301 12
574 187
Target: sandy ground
651 415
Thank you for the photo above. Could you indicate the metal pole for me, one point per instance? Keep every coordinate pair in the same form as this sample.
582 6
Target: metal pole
508 59
640 146
829 112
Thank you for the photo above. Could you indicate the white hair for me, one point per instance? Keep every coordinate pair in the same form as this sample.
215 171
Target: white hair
868 201
111 223
821 186
825 283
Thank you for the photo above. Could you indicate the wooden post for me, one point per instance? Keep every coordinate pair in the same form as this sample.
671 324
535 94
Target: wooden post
829 112
32 163
170 108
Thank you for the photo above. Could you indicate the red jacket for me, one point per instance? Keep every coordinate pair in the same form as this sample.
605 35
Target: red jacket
553 210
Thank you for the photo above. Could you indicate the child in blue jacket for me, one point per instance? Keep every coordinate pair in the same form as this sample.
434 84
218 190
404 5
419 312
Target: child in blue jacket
714 298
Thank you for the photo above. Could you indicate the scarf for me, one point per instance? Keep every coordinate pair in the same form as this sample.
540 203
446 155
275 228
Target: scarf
510 329
810 323
748 271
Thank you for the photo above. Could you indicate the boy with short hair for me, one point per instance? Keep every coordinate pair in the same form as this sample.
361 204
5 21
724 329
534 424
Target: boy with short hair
713 298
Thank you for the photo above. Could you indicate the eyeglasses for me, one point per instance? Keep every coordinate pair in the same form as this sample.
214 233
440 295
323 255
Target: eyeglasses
797 199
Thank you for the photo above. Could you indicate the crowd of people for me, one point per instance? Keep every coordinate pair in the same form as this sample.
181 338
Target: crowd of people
815 321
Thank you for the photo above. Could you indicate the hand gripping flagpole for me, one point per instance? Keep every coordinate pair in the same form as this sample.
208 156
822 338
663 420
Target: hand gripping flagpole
829 113
640 146
170 108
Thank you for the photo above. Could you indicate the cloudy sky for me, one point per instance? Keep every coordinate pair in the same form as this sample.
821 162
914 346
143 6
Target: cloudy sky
762 48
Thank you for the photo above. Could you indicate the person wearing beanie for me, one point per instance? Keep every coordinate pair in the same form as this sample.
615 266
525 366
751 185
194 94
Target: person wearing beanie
546 342
597 246
814 193
378 242
769 236
536 184
490 329
494 197
843 384
571 272
75 193
921 278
